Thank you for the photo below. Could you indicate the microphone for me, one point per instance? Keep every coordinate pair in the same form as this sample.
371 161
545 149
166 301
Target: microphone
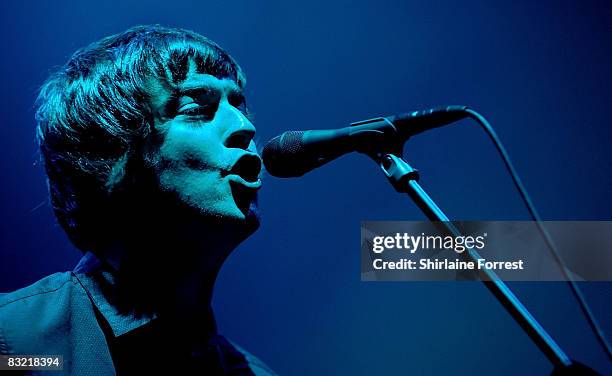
295 153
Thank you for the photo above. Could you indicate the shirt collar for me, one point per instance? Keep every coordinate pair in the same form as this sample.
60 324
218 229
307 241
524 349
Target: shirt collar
92 273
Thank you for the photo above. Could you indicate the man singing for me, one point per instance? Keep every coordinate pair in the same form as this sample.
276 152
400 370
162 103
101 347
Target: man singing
153 174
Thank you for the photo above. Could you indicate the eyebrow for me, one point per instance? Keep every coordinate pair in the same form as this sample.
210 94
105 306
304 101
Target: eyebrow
194 91
200 87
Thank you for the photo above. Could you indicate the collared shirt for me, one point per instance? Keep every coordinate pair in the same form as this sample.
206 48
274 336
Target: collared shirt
69 314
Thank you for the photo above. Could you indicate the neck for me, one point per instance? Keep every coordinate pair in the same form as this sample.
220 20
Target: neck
171 271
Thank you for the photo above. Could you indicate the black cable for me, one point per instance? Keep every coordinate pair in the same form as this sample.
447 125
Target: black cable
536 217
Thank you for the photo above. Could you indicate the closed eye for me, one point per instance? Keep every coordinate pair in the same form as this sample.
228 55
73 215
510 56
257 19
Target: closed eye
198 110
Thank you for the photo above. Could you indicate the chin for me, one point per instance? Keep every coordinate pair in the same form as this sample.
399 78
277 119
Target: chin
244 203
248 217
243 219
253 217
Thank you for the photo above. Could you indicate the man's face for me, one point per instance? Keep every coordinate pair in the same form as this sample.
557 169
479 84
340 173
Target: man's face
207 158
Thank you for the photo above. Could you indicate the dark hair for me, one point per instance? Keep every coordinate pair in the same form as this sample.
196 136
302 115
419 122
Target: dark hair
93 113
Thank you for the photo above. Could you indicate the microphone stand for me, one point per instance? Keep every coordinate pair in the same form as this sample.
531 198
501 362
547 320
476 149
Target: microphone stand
404 179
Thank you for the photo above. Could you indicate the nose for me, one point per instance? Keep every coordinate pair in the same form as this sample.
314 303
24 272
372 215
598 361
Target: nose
240 132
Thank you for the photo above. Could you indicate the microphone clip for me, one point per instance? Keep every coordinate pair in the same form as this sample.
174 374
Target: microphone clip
398 171
376 137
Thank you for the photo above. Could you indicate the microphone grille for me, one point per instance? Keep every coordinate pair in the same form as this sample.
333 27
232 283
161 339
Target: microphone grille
281 154
292 142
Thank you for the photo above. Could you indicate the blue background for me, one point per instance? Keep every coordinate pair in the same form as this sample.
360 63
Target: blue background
540 71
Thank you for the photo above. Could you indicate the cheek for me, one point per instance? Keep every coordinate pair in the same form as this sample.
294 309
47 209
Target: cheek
187 148
193 185
203 190
189 163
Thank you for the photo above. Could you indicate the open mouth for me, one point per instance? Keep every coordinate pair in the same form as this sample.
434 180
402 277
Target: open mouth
244 181
248 168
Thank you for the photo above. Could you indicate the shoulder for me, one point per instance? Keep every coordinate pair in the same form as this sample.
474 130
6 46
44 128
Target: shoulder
258 367
30 313
47 288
